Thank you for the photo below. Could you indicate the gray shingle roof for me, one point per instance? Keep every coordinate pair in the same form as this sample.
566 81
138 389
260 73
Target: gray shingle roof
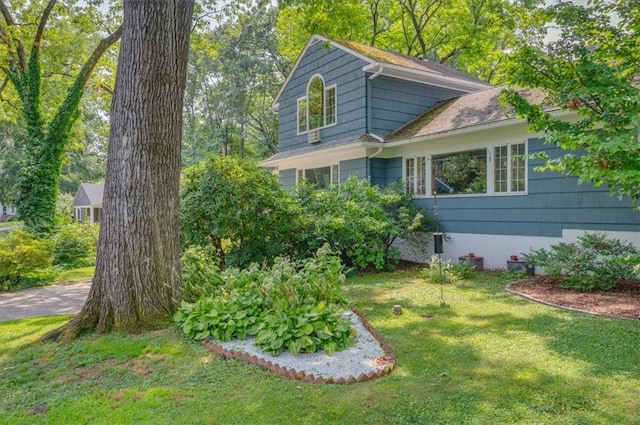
469 110
89 194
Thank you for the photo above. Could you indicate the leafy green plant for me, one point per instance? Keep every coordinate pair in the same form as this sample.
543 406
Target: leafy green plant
200 272
24 259
239 208
438 270
75 244
292 305
307 328
462 270
362 221
593 262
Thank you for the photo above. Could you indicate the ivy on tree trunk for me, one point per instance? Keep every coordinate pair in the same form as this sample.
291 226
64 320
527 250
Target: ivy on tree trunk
45 143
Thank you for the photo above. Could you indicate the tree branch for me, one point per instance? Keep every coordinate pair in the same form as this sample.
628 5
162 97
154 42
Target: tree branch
19 48
41 25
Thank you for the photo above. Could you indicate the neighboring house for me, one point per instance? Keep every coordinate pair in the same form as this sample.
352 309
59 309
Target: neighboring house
87 205
348 109
6 212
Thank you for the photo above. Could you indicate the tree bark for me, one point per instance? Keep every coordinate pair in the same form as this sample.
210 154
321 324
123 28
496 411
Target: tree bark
137 278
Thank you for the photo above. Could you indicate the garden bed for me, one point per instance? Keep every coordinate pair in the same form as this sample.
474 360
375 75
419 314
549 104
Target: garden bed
622 302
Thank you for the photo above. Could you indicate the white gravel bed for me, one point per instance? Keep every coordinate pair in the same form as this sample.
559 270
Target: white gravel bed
365 357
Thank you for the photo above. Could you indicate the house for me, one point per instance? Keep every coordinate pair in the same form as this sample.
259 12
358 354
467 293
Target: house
349 109
87 204
6 212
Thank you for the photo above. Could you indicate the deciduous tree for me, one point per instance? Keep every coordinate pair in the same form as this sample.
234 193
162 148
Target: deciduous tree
592 68
137 278
47 135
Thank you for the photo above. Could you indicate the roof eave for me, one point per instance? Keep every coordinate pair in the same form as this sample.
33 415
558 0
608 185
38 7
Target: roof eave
430 77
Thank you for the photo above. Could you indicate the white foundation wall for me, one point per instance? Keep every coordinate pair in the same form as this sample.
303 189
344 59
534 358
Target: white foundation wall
496 249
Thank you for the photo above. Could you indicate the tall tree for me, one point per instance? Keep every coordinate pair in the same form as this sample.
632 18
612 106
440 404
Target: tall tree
590 66
46 136
137 278
465 34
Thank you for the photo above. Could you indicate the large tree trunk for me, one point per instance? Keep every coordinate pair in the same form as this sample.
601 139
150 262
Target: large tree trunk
137 279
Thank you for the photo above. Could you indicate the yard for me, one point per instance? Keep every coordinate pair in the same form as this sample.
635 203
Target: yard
486 357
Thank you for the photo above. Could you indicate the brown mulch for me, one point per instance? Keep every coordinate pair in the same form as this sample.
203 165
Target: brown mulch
622 302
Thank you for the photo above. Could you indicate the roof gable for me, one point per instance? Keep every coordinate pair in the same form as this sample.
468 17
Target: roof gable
396 65
89 194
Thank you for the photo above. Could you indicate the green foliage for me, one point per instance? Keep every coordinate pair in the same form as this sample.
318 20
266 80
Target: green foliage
200 272
293 305
462 270
593 262
362 221
234 203
24 259
591 70
75 244
438 270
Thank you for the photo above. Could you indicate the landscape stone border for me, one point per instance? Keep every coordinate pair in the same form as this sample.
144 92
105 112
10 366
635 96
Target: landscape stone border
563 307
389 360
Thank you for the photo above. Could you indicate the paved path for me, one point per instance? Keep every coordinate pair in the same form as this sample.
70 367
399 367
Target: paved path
43 301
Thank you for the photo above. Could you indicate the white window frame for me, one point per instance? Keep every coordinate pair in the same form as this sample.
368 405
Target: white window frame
491 164
509 178
334 173
326 89
411 186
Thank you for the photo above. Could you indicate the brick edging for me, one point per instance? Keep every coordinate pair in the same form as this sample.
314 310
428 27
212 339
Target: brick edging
389 360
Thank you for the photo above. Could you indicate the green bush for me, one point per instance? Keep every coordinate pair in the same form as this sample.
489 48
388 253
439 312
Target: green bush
361 221
200 272
75 244
293 305
239 208
593 262
24 260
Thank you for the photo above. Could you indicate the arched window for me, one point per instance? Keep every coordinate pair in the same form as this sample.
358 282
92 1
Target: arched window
318 108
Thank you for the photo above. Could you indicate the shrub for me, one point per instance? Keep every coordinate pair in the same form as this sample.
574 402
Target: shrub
438 270
200 272
593 262
239 208
361 221
75 244
24 260
293 305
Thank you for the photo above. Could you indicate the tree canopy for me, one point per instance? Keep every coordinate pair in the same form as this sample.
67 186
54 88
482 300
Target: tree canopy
591 68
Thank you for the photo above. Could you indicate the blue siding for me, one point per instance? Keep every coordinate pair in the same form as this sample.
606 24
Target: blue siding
396 102
288 178
553 203
385 171
351 167
336 67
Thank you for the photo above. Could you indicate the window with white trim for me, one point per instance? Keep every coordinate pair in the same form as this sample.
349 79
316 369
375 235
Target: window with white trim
459 173
509 166
318 108
321 177
415 175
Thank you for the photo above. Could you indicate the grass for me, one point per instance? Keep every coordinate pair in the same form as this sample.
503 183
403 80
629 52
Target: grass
80 274
10 224
487 357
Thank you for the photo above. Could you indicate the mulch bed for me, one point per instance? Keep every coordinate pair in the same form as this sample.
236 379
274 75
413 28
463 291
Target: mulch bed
622 302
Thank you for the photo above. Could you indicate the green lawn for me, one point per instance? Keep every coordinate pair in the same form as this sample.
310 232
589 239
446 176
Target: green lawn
487 357
10 224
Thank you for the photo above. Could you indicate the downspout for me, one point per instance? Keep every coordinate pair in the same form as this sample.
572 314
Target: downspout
378 72
373 155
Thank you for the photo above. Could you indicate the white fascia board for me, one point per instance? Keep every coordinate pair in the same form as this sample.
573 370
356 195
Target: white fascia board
431 77
471 129
318 158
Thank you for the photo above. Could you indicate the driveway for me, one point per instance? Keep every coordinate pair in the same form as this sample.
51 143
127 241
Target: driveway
43 301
